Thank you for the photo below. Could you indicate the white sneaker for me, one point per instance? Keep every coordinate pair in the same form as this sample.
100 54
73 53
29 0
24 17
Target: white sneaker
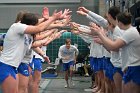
66 86
86 75
72 83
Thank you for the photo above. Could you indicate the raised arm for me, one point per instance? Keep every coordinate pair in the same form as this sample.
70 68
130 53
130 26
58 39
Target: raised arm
43 35
42 26
93 17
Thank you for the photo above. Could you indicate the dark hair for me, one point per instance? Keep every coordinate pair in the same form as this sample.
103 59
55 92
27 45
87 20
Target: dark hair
114 11
124 18
29 19
20 15
67 41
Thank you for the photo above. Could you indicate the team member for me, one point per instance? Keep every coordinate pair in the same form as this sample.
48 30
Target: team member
68 53
13 43
130 44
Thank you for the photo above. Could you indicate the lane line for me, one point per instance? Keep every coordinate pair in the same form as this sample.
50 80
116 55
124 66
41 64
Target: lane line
44 85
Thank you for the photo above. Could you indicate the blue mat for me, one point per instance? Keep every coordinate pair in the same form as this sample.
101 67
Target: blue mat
49 75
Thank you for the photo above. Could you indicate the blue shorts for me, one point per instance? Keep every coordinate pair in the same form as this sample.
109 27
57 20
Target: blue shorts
92 62
119 70
31 64
109 69
66 66
100 63
37 64
95 65
23 69
6 70
106 62
132 73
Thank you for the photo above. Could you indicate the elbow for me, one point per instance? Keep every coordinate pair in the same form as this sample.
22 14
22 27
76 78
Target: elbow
112 48
35 45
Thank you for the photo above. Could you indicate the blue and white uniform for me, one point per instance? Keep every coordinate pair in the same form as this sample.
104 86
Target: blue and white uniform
23 67
70 53
13 51
131 55
116 58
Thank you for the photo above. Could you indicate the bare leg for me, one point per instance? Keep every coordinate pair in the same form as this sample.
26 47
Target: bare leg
23 83
131 87
98 82
66 78
112 89
36 81
86 70
30 81
102 82
7 85
71 72
107 85
118 82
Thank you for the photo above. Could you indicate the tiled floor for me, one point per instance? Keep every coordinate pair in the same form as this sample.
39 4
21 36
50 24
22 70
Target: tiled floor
56 85
82 85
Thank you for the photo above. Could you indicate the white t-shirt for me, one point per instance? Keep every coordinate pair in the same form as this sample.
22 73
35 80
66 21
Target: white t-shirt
106 53
131 51
27 48
13 48
28 56
64 52
116 59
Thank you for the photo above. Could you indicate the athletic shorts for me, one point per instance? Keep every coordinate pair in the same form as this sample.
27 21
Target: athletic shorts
106 62
92 63
100 63
6 70
95 65
31 64
23 69
132 73
66 66
119 70
108 68
37 64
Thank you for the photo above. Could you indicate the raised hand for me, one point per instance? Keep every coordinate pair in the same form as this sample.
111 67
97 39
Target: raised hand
65 13
83 9
56 15
66 21
95 29
98 40
74 26
45 13
46 58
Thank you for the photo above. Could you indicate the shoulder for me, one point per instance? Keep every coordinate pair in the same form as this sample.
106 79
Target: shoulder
118 31
131 31
72 46
19 27
63 46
